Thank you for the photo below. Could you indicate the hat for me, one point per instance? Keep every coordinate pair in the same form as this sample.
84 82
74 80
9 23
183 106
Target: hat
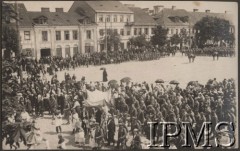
135 130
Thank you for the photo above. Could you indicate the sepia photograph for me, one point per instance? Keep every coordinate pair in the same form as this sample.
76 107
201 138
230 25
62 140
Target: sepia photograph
119 75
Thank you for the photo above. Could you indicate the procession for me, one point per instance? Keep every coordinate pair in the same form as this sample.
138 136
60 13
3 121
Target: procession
96 75
109 113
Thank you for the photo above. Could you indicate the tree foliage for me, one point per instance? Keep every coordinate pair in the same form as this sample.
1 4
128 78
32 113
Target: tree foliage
139 41
175 39
113 39
159 36
212 29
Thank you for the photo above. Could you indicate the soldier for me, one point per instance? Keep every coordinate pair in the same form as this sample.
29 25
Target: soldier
136 142
98 135
105 75
111 130
122 134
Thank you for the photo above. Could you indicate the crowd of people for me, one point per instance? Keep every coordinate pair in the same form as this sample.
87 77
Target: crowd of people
132 105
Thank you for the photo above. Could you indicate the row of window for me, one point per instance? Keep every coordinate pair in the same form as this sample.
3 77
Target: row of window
58 35
140 31
137 31
115 18
177 31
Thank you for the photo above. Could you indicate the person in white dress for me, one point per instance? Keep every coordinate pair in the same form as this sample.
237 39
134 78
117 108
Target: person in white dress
58 122
75 119
79 136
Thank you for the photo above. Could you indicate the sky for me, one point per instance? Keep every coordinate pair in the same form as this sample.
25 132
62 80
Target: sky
218 7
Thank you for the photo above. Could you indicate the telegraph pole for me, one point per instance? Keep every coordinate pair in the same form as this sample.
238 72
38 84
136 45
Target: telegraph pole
19 52
106 34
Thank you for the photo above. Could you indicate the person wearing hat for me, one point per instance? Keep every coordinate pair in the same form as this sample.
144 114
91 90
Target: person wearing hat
111 130
61 142
105 75
122 134
98 136
136 142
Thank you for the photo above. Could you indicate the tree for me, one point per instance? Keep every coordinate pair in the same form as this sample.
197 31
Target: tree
159 36
212 29
175 39
139 41
9 34
113 40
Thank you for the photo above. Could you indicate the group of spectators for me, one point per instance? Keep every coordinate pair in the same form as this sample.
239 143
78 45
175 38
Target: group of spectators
132 106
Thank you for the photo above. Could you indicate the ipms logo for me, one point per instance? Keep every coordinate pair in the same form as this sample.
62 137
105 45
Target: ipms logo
173 129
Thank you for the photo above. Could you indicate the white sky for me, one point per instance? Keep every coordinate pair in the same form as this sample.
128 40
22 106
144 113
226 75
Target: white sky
218 7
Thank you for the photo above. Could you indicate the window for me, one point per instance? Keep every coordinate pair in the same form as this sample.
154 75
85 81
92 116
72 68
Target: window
176 31
67 51
121 18
172 31
101 18
89 34
59 51
75 35
128 32
29 52
152 31
122 32
193 31
140 31
122 45
108 18
101 32
115 18
108 31
66 35
75 50
42 21
88 48
115 31
146 31
101 47
135 31
128 18
26 35
58 35
44 36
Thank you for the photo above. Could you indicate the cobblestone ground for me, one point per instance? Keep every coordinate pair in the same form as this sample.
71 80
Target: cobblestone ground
170 68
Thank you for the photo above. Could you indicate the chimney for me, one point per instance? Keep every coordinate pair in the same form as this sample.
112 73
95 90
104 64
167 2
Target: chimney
129 5
207 11
146 10
195 10
157 9
59 9
173 7
45 9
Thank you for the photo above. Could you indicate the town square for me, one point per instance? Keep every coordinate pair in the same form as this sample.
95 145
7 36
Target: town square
94 75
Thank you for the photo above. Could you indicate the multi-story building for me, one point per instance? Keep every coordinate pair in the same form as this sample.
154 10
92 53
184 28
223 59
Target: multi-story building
126 20
177 19
57 33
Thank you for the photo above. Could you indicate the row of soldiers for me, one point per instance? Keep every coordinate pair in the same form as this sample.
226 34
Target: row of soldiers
211 51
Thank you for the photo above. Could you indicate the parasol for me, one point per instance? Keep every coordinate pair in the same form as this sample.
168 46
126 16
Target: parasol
112 82
159 81
126 79
174 82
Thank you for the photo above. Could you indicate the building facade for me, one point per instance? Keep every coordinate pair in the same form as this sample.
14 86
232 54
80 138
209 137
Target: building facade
126 20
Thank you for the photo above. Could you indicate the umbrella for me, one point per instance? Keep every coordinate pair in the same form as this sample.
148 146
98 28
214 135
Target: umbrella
159 81
126 79
102 68
112 82
174 82
114 85
194 83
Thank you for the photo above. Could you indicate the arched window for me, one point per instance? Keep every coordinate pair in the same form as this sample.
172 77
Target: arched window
75 49
67 51
59 51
